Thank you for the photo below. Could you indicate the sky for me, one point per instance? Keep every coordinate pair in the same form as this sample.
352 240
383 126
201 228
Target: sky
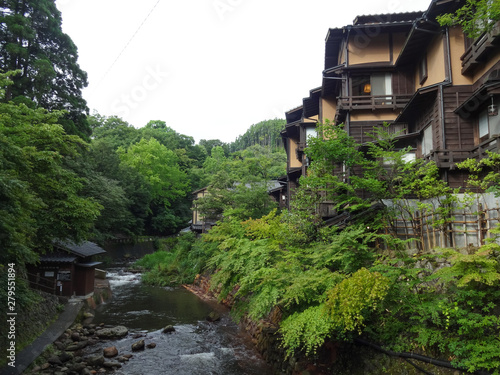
208 68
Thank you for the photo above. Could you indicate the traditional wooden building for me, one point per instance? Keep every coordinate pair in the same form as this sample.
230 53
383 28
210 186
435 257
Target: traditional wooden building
436 87
199 223
67 271
276 190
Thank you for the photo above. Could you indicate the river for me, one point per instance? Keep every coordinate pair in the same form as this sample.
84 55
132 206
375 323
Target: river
196 347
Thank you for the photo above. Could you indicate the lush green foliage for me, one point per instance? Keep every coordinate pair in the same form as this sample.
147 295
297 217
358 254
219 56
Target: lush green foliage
238 183
337 284
177 261
475 17
41 198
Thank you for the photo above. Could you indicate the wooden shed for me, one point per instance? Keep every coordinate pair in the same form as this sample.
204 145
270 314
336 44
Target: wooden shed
68 271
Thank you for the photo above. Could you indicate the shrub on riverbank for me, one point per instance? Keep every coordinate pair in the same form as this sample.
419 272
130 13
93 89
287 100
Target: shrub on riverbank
177 261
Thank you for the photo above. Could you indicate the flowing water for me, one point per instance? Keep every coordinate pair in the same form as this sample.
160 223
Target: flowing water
196 347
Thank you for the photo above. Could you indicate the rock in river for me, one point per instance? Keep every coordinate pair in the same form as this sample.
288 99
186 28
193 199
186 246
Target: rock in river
139 345
110 352
109 333
168 329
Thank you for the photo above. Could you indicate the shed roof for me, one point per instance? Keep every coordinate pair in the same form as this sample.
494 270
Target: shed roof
57 258
85 249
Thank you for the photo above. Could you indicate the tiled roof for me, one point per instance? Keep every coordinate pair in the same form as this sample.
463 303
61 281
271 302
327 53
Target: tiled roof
386 18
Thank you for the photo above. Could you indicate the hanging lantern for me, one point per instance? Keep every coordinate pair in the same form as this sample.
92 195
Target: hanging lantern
368 88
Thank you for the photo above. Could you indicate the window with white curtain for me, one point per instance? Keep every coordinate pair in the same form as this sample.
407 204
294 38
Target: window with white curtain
484 128
427 141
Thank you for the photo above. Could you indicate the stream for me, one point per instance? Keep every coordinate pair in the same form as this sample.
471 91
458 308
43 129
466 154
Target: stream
196 347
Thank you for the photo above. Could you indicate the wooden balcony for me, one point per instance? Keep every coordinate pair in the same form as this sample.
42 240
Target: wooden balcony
478 50
373 102
449 158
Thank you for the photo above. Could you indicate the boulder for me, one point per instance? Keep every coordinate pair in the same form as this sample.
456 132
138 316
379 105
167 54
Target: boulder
109 333
110 352
139 345
151 345
168 329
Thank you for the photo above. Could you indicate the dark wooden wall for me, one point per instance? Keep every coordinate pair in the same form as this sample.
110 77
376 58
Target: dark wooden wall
459 131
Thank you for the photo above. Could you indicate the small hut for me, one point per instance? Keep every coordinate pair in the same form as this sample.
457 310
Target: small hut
68 271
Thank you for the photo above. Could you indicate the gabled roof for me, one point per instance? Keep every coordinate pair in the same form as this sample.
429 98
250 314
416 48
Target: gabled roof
424 29
311 103
86 249
294 114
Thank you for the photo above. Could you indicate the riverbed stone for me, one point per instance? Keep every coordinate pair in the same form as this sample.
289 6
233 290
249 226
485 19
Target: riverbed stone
108 333
96 360
151 345
75 336
77 367
45 366
110 352
213 317
59 345
54 360
112 365
65 357
168 329
76 346
139 345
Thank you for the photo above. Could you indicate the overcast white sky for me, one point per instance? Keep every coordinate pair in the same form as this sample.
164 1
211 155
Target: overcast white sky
208 68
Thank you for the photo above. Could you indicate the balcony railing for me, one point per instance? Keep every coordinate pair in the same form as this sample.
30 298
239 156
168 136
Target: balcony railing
449 158
373 102
476 52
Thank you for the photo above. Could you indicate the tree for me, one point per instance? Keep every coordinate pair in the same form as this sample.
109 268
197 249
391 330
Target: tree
209 144
116 131
264 133
48 195
32 42
475 17
166 181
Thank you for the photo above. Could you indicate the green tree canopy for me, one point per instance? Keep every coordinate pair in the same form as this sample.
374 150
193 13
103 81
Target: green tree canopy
475 16
32 42
40 194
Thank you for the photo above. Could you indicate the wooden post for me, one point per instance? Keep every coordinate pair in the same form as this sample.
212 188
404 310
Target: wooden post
482 225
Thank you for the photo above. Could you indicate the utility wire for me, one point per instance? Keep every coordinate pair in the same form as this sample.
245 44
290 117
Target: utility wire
127 44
